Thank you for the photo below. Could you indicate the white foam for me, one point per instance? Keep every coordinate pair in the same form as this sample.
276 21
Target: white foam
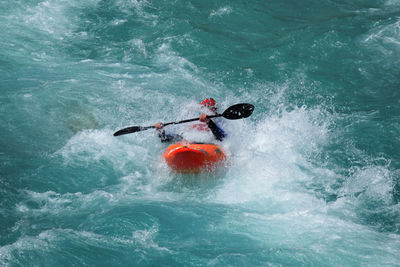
272 153
117 22
52 241
137 7
388 34
49 17
221 11
392 3
146 238
94 145
372 182
137 46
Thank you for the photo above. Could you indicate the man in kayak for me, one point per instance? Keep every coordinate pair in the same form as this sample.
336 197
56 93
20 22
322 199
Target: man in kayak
208 124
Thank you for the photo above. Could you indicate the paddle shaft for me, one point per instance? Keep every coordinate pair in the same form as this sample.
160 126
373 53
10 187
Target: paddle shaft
189 120
234 112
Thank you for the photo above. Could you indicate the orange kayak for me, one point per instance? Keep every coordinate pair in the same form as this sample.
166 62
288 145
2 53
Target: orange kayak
192 157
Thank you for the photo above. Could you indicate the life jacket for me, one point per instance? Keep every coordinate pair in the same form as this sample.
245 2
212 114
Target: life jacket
201 127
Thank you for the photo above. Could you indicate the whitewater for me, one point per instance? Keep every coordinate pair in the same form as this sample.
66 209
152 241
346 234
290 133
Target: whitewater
313 175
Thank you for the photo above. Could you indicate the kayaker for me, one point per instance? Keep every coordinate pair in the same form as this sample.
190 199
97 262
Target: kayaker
211 106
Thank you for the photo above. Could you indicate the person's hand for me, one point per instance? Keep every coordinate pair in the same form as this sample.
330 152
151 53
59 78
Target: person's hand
203 118
158 126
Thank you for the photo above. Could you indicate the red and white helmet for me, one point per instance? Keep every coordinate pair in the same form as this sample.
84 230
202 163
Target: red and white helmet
209 102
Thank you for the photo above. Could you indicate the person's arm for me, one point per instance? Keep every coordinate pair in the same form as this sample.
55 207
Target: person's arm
218 133
166 137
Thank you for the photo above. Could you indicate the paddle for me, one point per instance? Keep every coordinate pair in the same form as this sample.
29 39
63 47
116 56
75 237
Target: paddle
235 112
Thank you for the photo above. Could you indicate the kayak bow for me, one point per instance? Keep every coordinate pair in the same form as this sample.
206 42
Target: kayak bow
194 157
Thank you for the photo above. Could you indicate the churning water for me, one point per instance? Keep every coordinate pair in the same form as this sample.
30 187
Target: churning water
313 176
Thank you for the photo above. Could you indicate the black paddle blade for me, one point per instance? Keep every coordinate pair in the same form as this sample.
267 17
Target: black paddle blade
128 130
238 111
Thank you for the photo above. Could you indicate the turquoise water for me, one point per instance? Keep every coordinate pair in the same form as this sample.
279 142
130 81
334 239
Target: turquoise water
313 176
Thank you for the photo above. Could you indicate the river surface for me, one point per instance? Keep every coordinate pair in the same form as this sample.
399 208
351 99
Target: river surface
313 176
